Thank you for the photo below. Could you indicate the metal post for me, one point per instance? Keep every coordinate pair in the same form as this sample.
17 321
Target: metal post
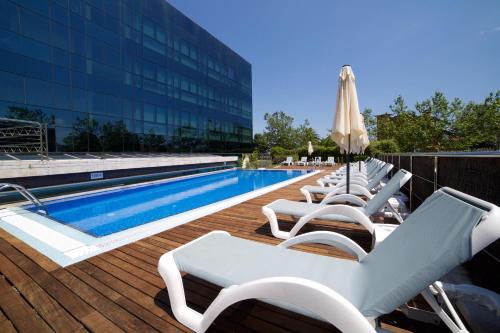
348 164
435 173
411 184
40 129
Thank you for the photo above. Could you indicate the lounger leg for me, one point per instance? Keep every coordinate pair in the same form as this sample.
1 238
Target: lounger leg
273 222
173 279
307 194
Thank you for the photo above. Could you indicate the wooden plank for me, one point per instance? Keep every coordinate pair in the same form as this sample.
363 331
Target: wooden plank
119 316
20 313
5 324
90 318
51 311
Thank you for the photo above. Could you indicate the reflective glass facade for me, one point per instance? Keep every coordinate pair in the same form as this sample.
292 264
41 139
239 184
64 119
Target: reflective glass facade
122 75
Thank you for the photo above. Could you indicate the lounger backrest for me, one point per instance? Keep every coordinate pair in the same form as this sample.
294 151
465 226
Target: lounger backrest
289 159
372 170
303 159
331 159
434 239
379 176
393 185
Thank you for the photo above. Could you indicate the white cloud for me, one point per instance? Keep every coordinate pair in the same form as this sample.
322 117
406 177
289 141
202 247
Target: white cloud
493 30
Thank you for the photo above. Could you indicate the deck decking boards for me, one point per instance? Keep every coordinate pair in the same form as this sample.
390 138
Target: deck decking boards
121 290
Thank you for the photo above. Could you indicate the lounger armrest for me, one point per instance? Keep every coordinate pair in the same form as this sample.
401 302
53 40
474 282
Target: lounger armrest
306 294
342 198
327 238
345 210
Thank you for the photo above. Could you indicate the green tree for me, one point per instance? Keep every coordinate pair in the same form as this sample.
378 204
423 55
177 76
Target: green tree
279 130
327 141
402 126
260 143
379 147
306 133
370 123
478 126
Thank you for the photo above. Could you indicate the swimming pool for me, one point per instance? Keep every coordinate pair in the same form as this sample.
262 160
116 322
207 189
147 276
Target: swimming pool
107 212
82 225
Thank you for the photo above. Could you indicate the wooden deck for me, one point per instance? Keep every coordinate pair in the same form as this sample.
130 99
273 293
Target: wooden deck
121 291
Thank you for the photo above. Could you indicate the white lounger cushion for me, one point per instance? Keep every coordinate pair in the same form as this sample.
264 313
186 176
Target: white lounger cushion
299 209
433 240
226 260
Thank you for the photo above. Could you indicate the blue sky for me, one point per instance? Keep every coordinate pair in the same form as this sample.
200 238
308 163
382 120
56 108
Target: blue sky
297 47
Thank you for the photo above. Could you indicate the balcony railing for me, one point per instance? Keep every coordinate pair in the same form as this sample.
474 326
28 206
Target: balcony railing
477 174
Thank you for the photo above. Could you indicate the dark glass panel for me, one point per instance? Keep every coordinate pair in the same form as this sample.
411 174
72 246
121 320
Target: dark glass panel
8 16
11 87
61 75
61 96
59 13
39 6
97 102
77 22
77 42
78 63
76 6
34 26
161 115
59 36
38 92
149 112
60 57
79 101
78 79
113 105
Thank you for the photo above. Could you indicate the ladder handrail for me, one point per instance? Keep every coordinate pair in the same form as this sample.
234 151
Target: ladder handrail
26 194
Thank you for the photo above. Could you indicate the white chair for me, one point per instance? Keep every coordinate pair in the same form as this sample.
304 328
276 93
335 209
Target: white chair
303 161
330 161
448 229
307 211
288 161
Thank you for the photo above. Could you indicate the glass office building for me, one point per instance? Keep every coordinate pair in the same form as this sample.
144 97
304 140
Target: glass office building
122 75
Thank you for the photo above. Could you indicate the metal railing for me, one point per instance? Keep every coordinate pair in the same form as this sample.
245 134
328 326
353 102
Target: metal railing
474 173
22 136
27 195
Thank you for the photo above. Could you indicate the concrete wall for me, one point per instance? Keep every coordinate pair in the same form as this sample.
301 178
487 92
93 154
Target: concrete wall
34 168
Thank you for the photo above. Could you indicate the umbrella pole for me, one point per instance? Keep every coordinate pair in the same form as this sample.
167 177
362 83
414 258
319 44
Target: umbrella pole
348 164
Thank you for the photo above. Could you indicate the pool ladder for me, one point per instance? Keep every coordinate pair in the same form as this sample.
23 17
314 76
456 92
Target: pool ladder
26 194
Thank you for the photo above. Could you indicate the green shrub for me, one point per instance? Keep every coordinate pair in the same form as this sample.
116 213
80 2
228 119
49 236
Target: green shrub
279 154
379 147
324 152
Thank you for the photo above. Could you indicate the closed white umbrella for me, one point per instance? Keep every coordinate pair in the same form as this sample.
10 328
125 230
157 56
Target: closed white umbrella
348 130
310 149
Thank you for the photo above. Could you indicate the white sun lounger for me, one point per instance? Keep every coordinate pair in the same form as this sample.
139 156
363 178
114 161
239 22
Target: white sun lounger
356 186
303 161
288 161
368 183
448 229
365 173
305 212
330 161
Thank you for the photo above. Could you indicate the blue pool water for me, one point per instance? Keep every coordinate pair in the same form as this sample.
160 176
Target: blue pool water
107 212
